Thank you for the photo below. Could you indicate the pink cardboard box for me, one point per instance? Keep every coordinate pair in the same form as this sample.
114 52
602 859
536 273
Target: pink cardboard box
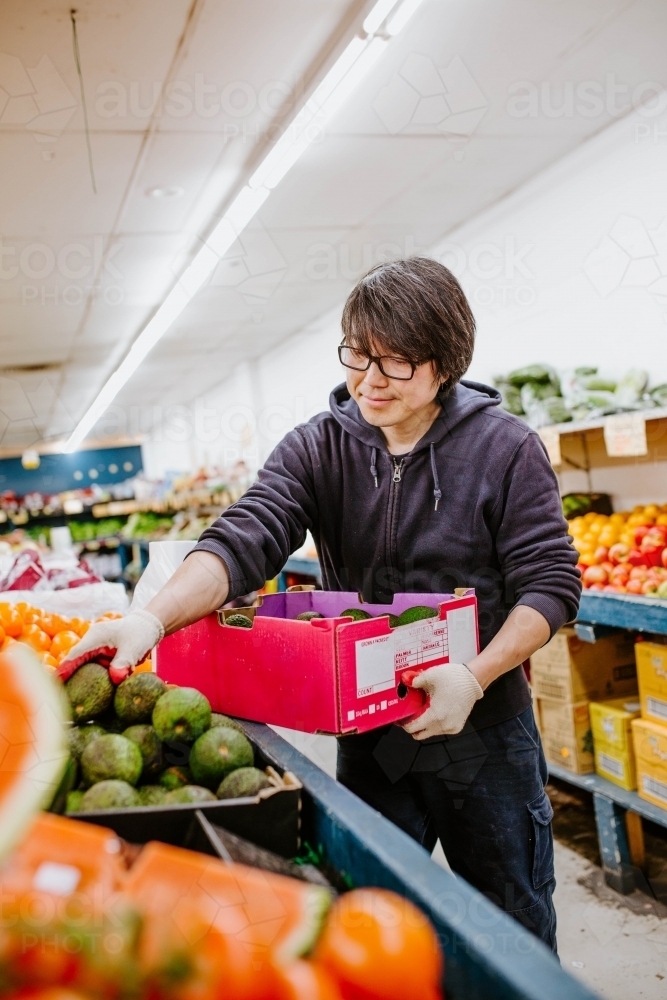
328 675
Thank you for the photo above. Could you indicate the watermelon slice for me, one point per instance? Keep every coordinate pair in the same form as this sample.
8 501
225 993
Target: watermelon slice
33 750
266 912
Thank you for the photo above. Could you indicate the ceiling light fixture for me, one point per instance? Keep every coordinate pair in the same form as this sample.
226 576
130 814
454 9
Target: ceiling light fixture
345 75
402 16
163 193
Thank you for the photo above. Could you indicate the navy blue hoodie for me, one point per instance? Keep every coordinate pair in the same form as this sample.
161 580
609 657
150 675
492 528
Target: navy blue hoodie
474 504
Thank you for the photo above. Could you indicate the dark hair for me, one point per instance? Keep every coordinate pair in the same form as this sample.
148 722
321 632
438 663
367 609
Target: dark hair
416 309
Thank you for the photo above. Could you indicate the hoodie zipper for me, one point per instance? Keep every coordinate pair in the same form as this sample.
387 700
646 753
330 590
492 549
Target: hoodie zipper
398 468
393 506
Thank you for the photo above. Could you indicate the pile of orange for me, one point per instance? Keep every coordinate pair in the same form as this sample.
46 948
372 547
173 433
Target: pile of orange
50 635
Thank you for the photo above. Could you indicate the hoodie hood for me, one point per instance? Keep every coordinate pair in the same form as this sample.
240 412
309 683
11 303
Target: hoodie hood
466 398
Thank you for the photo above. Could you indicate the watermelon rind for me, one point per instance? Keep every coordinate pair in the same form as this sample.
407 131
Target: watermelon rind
48 754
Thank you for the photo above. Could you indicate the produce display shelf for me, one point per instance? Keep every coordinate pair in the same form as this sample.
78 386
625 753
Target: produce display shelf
581 426
488 955
303 565
642 614
617 837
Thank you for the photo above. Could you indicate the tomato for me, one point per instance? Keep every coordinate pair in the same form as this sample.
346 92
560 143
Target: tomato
378 946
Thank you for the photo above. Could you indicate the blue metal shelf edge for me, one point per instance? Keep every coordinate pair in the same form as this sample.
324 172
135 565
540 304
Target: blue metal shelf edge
487 954
628 800
308 567
643 614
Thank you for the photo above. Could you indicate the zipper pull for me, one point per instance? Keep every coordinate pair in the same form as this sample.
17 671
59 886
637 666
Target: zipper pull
398 466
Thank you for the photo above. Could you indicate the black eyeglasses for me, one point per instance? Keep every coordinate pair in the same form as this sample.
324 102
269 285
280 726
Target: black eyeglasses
397 368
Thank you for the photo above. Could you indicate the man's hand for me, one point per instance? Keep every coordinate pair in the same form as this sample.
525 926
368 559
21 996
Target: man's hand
452 692
119 645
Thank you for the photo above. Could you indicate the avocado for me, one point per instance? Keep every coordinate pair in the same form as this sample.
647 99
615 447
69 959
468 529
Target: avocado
110 721
67 784
224 720
394 620
136 696
90 692
111 757
109 794
238 621
175 777
244 782
356 613
152 795
307 616
80 736
73 803
189 793
181 715
417 614
218 752
150 747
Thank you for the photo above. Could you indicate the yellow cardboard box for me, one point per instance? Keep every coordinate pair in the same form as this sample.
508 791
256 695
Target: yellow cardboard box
610 722
615 764
652 678
571 671
652 783
566 735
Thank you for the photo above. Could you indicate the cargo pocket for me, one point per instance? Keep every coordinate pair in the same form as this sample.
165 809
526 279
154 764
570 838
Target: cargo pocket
541 813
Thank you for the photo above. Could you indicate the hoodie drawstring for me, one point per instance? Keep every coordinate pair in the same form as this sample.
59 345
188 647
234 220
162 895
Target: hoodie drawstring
437 492
374 471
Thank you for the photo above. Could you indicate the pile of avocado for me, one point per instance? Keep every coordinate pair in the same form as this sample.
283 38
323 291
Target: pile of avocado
407 617
145 743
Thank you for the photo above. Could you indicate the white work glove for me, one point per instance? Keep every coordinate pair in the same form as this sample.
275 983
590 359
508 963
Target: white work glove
118 644
452 692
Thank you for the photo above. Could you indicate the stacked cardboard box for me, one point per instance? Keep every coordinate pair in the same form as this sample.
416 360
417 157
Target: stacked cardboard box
612 740
650 732
566 675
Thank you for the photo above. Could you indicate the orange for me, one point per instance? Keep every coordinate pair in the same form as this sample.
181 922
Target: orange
2 635
8 642
22 607
83 629
32 617
63 642
33 636
144 668
109 616
379 946
52 624
50 661
11 619
75 625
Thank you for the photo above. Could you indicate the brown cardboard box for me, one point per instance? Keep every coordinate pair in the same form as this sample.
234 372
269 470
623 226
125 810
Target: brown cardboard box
652 678
566 735
571 671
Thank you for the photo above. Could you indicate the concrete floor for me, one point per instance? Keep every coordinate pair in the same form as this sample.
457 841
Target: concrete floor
617 947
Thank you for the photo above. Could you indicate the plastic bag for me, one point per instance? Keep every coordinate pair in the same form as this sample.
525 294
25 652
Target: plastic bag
164 558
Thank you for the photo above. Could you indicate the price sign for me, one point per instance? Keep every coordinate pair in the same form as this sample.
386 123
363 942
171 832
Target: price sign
551 441
625 435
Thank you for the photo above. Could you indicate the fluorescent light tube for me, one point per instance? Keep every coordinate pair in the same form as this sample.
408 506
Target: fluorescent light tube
347 72
402 16
377 14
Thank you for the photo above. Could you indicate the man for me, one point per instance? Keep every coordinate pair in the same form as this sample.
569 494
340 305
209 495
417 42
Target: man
415 481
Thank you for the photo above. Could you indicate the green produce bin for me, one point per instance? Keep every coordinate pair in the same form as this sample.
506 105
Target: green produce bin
488 955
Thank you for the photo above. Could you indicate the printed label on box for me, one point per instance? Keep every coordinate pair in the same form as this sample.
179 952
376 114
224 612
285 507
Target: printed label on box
422 644
656 706
654 787
610 764
375 665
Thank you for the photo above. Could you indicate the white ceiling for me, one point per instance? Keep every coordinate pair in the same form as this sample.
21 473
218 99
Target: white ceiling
428 141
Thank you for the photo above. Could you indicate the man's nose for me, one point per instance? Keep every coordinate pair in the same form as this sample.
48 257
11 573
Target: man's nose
374 376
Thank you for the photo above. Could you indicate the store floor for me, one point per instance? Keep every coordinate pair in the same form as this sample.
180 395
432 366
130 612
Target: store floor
616 945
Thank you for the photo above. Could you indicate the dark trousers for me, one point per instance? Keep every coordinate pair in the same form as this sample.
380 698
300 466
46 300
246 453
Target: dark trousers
482 793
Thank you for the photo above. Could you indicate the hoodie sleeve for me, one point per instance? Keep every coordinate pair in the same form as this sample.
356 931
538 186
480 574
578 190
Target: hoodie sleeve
537 559
255 536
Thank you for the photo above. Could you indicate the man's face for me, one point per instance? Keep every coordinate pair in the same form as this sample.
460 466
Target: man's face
385 402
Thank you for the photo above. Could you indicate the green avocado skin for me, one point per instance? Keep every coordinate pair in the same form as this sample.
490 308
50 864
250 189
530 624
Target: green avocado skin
356 614
218 752
181 715
111 758
150 747
136 697
189 793
244 782
110 794
90 692
417 614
